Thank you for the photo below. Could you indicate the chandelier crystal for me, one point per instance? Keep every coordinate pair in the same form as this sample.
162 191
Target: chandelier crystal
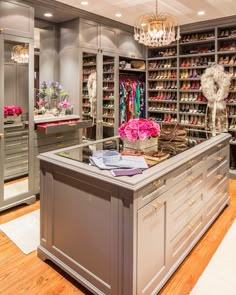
156 30
20 54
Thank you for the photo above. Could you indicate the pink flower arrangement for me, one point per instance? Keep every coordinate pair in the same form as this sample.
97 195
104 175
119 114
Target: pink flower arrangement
139 129
64 104
12 111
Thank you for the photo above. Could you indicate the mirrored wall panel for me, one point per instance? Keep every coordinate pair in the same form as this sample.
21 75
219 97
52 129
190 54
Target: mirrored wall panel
16 110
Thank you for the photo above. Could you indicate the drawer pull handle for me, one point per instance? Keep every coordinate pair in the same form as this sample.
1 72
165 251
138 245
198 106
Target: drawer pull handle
191 226
59 136
220 145
190 179
191 163
192 203
157 183
219 159
157 205
219 176
72 124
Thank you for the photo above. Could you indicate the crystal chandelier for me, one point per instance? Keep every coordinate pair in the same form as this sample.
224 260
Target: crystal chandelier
20 54
156 30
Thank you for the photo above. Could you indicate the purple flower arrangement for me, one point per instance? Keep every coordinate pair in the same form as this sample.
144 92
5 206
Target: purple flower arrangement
12 111
50 91
139 129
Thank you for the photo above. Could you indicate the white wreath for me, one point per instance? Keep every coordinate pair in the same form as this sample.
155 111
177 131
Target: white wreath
215 85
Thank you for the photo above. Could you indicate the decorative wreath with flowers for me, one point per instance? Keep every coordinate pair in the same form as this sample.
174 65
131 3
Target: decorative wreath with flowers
215 83
139 129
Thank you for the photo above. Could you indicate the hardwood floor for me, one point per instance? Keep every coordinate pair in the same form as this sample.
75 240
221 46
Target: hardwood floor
22 274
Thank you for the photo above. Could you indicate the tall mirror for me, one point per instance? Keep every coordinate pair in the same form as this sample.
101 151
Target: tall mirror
15 143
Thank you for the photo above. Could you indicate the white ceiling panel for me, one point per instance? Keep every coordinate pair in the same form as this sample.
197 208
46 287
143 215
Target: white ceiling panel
185 10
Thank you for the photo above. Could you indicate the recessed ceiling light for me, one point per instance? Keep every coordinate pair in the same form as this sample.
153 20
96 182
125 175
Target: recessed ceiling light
201 12
48 14
118 14
84 3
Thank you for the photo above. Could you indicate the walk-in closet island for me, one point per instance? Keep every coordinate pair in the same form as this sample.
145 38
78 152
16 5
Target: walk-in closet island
127 235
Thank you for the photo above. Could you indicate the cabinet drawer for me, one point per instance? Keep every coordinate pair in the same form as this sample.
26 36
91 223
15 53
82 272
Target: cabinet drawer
217 178
18 136
15 171
153 190
218 158
15 163
16 157
193 203
187 169
42 139
15 145
52 147
182 241
51 128
180 193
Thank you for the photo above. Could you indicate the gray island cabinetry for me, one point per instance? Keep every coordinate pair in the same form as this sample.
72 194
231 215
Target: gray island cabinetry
127 235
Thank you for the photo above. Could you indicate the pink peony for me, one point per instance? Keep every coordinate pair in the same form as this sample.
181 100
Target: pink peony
139 129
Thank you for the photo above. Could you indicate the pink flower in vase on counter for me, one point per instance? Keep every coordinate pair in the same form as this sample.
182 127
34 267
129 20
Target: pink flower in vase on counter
64 104
139 129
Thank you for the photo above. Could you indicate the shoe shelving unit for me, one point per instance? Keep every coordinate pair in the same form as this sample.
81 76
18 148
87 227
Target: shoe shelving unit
89 66
163 84
108 114
174 76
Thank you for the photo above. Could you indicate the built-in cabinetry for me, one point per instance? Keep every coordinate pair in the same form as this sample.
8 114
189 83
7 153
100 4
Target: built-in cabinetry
54 134
103 38
16 18
138 229
99 93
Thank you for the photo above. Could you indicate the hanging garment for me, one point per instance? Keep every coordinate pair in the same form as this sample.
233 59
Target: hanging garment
132 100
92 92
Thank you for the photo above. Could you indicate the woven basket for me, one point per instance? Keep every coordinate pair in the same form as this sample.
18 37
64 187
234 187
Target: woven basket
142 145
138 64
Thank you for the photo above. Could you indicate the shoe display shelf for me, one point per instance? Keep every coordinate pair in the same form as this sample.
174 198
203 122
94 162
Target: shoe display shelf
196 53
108 115
226 56
174 76
162 84
89 66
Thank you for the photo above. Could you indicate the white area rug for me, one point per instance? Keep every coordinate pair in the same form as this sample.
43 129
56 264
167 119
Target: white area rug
220 275
24 231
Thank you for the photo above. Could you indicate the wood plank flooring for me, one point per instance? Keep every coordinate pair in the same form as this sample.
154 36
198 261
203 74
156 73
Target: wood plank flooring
22 274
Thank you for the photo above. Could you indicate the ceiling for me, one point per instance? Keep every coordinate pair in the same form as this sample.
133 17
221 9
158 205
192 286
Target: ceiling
185 10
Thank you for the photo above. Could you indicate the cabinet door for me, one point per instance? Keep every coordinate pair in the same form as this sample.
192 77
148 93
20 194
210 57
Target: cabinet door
139 50
89 34
108 39
151 252
16 19
125 44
